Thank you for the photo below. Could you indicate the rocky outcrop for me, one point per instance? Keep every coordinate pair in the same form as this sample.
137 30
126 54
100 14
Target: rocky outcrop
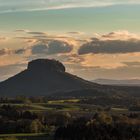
46 65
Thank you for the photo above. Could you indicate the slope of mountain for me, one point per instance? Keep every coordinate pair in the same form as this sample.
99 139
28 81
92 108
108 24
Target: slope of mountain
43 77
129 82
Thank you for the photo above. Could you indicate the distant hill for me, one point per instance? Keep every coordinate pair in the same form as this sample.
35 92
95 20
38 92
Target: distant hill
129 82
43 77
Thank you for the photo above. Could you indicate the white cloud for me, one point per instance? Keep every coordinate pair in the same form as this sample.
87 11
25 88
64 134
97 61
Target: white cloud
7 6
120 35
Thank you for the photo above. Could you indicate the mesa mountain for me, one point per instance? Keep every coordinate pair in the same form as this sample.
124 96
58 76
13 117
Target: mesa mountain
43 77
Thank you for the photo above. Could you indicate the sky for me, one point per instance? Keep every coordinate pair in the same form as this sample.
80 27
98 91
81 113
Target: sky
93 38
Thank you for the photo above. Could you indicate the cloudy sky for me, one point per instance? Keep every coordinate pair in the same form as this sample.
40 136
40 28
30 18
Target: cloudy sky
93 38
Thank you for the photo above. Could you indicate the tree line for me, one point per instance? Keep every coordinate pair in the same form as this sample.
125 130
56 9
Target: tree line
101 127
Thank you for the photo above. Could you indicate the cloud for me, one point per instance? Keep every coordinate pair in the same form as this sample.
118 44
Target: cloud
113 53
8 6
38 45
44 37
2 38
56 46
5 51
124 72
112 43
22 30
39 49
10 70
110 47
119 73
53 47
75 33
120 35
132 64
6 60
37 33
9 52
19 51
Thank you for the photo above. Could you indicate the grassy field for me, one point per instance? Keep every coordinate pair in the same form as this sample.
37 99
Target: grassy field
30 136
63 101
68 105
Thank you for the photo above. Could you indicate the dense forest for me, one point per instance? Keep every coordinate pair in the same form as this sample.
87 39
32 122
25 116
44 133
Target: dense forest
63 118
101 127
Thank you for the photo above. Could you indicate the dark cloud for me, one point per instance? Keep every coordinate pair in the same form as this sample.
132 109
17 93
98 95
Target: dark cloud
40 36
21 30
39 49
37 33
59 47
74 32
5 51
20 51
50 47
30 32
2 52
110 46
53 47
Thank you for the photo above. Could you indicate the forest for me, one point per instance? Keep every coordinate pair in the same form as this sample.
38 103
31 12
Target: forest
62 118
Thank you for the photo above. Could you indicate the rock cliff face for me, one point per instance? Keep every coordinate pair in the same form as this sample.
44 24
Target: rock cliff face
43 77
46 65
